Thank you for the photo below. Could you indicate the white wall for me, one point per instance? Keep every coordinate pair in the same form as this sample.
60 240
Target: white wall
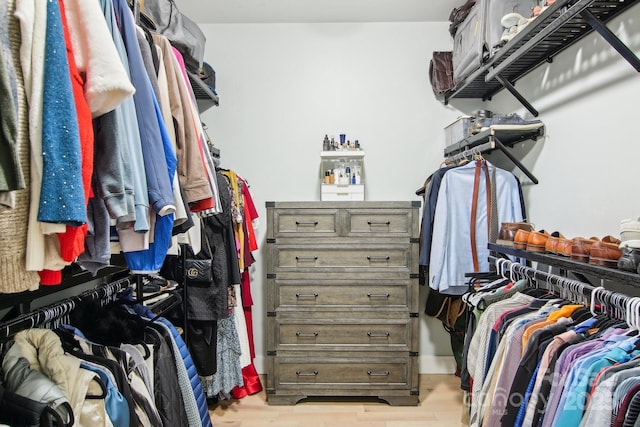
283 87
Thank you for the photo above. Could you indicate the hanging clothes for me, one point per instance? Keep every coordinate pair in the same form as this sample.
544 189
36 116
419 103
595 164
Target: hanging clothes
543 360
452 252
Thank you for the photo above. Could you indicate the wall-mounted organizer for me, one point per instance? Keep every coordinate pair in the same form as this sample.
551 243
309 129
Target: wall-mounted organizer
555 29
585 272
496 137
342 176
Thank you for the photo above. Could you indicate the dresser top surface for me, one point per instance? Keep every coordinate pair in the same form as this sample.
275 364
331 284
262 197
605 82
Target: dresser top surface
345 204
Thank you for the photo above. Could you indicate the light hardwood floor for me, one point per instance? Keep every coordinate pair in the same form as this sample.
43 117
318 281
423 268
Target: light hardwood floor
440 406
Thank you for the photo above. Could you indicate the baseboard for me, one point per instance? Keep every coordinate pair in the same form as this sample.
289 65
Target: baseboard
427 364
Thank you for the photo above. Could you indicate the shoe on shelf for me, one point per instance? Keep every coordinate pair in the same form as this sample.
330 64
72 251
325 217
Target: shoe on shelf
521 238
537 241
605 253
581 248
508 231
552 242
153 283
630 259
611 239
563 248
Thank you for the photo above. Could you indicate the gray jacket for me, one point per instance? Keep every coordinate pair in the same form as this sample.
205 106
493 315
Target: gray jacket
32 399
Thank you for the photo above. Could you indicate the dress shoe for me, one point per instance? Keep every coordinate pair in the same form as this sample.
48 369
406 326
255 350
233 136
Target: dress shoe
563 247
605 253
508 232
612 240
552 242
537 241
520 239
630 259
581 248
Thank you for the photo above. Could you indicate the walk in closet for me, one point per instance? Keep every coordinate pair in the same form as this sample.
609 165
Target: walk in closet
172 241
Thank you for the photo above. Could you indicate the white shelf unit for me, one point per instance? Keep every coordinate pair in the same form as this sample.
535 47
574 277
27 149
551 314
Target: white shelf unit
346 190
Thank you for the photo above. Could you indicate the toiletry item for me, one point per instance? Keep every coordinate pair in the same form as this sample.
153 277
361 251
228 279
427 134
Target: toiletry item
325 144
357 145
327 179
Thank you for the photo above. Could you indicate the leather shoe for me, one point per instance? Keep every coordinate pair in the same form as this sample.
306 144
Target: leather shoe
508 231
630 259
612 240
581 248
520 239
537 241
563 247
552 242
605 253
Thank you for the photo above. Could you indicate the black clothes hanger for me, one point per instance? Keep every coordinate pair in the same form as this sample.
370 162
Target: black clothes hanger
581 315
103 388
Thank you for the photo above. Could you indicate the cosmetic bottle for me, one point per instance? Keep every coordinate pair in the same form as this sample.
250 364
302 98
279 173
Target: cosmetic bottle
325 144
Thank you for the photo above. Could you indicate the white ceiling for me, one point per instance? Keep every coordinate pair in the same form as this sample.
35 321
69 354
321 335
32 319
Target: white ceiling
288 11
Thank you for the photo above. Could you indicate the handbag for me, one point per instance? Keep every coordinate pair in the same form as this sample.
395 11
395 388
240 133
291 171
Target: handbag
446 308
199 270
441 73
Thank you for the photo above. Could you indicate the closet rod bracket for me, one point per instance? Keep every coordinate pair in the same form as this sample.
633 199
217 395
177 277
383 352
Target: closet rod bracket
515 161
508 86
611 38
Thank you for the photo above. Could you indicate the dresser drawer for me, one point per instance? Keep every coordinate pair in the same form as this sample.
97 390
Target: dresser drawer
336 334
327 256
379 223
393 294
305 223
349 374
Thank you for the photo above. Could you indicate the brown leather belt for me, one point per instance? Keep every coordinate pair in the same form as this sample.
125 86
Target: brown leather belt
481 165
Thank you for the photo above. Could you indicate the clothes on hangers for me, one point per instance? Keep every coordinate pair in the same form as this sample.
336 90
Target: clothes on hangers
544 361
149 381
134 86
450 255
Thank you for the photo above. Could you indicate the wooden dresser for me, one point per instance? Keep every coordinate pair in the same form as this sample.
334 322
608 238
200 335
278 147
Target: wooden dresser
342 300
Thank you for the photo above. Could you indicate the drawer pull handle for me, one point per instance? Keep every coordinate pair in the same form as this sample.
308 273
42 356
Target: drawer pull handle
306 335
306 258
378 335
313 295
307 223
378 374
307 374
370 295
379 222
378 258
